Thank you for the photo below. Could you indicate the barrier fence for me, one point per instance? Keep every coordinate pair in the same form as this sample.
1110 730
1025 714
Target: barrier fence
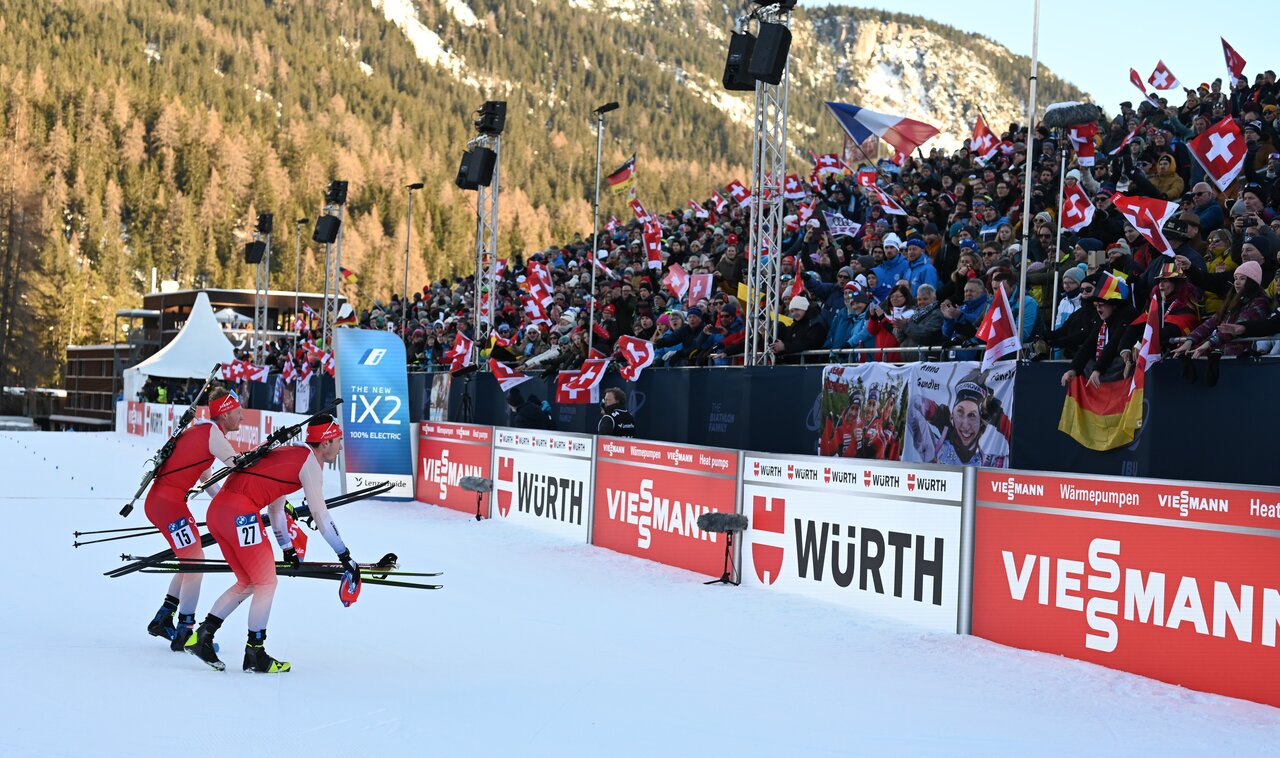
1170 580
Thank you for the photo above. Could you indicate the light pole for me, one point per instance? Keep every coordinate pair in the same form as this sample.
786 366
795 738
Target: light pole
297 276
595 229
408 232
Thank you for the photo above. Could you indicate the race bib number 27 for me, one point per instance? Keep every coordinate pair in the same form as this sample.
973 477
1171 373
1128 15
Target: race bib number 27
248 530
181 534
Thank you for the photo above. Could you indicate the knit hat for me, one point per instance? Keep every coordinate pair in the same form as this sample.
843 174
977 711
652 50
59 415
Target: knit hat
1262 244
845 270
867 262
1074 274
801 303
694 311
1091 244
1251 269
916 241
891 240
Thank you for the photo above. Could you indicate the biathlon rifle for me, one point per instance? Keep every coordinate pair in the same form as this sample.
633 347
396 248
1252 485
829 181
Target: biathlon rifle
166 450
250 458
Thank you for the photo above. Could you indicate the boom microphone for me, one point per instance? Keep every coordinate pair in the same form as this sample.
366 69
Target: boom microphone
714 521
1068 114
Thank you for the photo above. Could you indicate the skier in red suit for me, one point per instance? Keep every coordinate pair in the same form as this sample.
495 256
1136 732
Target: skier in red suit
235 523
166 508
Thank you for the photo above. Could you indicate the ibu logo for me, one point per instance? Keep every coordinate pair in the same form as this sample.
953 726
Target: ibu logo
373 356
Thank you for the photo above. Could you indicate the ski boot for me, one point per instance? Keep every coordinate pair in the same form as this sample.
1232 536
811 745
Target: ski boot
183 632
162 624
256 659
201 644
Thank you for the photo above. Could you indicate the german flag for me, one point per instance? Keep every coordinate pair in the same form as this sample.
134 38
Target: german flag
624 178
348 275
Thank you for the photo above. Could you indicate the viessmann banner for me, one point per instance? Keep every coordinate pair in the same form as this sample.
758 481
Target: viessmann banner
881 538
447 453
374 386
543 480
1170 580
649 495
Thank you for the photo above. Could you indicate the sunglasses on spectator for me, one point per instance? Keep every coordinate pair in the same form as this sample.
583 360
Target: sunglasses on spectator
1086 288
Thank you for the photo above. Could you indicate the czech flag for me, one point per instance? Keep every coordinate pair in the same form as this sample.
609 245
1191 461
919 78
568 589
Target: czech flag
903 133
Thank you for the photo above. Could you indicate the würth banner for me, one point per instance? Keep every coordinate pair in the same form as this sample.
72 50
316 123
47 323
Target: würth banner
447 453
649 496
1170 580
877 537
543 480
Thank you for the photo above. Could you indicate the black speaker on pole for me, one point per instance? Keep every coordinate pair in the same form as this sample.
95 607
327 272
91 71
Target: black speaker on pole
254 251
326 229
493 117
476 169
735 67
769 58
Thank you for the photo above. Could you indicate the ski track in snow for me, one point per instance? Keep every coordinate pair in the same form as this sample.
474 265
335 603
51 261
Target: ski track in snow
534 647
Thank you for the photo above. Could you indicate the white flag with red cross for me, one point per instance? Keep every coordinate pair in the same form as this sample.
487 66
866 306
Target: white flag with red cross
1147 215
637 353
740 194
1162 78
1220 150
1077 208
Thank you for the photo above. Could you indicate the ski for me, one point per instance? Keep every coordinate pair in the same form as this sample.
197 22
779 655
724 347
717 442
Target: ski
376 576
386 566
207 539
167 449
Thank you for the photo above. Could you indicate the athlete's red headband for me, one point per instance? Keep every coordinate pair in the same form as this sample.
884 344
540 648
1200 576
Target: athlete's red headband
224 404
317 433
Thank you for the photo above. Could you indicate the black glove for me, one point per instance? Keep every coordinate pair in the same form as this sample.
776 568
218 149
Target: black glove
291 558
348 564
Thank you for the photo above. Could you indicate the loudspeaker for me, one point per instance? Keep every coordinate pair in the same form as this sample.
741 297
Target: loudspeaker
735 67
493 117
337 192
769 57
326 230
476 169
254 251
265 223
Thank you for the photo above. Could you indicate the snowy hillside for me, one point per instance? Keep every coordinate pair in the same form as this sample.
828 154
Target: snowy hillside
534 647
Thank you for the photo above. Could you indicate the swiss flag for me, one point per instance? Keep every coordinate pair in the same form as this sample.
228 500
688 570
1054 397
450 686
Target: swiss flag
568 393
699 287
676 280
806 211
1081 136
653 244
983 143
888 203
1136 79
539 283
1128 138
1221 151
1077 209
327 363
459 356
1235 64
1162 78
591 374
1147 215
720 203
828 164
638 354
641 214
739 192
866 177
611 224
290 371
507 377
535 311
792 189
999 330
698 210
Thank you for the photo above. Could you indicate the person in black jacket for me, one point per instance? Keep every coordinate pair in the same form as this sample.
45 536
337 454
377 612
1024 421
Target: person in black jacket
615 419
807 331
1099 356
527 413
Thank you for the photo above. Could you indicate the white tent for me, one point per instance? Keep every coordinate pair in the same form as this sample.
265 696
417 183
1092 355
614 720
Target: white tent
190 355
230 316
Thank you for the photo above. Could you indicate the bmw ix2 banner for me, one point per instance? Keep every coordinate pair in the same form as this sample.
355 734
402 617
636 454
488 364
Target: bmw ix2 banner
374 387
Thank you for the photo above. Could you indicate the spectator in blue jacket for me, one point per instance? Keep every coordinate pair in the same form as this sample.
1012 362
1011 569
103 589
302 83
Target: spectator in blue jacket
894 266
920 269
859 334
1009 281
830 295
842 325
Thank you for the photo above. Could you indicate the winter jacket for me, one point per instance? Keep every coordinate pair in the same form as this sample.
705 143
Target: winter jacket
1115 336
806 334
860 335
925 327
890 271
962 328
921 272
1254 310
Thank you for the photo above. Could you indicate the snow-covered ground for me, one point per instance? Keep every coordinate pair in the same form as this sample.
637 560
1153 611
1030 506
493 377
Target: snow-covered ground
534 647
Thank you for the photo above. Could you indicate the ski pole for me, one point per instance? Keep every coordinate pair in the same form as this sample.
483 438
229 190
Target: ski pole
113 539
114 531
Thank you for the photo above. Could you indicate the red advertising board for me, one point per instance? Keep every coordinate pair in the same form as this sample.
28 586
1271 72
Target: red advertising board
648 497
1173 581
136 420
446 453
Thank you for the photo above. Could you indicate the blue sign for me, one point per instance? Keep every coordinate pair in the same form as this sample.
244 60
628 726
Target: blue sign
373 383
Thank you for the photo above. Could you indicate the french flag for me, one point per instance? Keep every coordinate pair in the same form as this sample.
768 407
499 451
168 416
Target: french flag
903 133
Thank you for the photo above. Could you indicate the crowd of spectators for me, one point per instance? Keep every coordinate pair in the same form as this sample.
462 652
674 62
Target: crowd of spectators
926 279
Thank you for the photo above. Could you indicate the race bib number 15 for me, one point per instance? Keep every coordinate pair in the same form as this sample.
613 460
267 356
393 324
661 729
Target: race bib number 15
248 530
181 534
